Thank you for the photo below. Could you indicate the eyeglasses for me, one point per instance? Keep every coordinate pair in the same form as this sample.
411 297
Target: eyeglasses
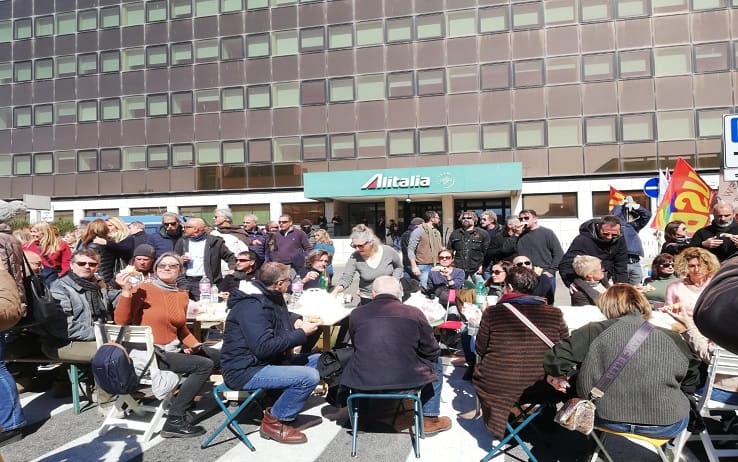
91 264
667 265
170 224
445 257
241 260
359 246
467 218
497 272
167 265
523 263
482 219
284 221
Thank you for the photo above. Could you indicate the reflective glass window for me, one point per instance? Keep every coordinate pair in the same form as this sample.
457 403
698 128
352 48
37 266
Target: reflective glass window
312 39
44 68
87 160
286 94
133 14
180 8
22 164
206 50
530 134
110 61
314 147
528 73
429 26
158 105
134 158
284 43
401 142
710 122
432 140
595 10
598 67
286 149
87 111
110 159
399 29
564 132
675 125
43 114
44 26
527 15
208 153
601 130
463 138
400 84
156 56
181 53
637 127
232 48
156 11
636 63
232 99
65 162
341 36
23 29
370 87
206 7
461 23
87 64
312 92
341 89
672 60
260 151
431 82
110 17
66 23
343 146
87 20
134 107
133 59
369 33
257 45
497 136
207 100
494 19
157 157
234 152
43 163
258 96
110 109
711 57
495 76
22 116
66 112
23 71
182 155
66 66
182 102
371 144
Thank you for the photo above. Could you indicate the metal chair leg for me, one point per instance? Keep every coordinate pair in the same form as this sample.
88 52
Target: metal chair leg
73 372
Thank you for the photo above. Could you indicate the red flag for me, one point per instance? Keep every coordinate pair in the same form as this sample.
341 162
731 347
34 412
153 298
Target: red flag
687 198
616 197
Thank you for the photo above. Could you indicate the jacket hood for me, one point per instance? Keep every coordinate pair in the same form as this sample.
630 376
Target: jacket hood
254 289
589 229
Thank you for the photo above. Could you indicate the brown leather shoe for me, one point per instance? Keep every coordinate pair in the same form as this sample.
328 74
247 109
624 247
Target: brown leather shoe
273 429
435 424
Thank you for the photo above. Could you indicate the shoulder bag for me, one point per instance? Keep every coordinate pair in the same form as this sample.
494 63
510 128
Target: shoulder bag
41 306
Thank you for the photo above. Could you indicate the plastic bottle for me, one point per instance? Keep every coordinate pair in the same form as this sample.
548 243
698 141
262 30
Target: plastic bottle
323 282
214 294
481 294
204 287
296 288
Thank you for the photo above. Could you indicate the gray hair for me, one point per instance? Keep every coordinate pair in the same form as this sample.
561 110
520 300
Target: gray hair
585 264
225 213
387 285
170 255
365 234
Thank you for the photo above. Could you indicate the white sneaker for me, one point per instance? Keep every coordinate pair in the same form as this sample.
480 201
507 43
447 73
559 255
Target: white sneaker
117 413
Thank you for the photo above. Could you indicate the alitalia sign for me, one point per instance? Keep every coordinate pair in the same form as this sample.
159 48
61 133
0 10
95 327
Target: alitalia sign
380 181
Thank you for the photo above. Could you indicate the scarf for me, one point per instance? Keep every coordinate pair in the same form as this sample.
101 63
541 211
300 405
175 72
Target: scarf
93 295
199 237
163 285
243 276
434 239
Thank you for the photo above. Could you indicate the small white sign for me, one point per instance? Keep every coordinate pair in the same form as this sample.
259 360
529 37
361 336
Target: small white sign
46 215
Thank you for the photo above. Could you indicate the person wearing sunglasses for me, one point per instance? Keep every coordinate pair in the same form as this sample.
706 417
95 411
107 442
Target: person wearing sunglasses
168 234
288 245
496 282
245 271
444 277
662 274
544 288
469 244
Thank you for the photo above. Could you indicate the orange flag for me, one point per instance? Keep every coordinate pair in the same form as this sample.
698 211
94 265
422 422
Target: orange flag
616 197
687 198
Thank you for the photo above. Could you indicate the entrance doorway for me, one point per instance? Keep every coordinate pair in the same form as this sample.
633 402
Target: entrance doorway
409 210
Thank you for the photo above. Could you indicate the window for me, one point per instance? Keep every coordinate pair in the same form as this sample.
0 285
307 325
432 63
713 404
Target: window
560 12
110 159
672 60
181 53
43 163
254 4
564 132
110 17
463 138
87 160
156 56
528 73
22 164
598 67
66 23
312 39
312 92
562 70
257 45
87 64
710 122
23 71
461 23
711 57
632 8
44 26
110 61
495 19
370 87
157 157
369 33
595 10
134 158
6 72
432 140
601 201
371 144
183 155
157 105
208 153
601 130
284 43
43 114
156 11
463 79
635 64
227 6
258 96
66 66
637 127
669 6
180 8
87 20
287 149
286 94
675 125
708 4
182 102
343 146
231 48
341 90
66 113
429 26
6 31
527 15
22 116
400 84
87 111
110 109
23 29
530 134
314 147
206 7
340 36
44 68
134 107
234 152
497 136
133 59
401 142
260 150
399 29
207 100
133 14
552 205
206 50
431 82
232 99
65 161
495 76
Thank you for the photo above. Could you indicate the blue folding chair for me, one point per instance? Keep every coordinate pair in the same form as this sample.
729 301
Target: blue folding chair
528 412
223 395
417 422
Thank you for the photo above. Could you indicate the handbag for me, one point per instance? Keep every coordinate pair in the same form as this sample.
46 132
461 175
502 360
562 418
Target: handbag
41 308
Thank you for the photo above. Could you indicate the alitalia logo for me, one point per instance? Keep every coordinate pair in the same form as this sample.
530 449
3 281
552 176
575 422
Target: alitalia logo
379 181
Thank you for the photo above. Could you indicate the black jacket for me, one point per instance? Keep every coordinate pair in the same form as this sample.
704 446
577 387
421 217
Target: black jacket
614 254
215 251
469 248
494 250
727 249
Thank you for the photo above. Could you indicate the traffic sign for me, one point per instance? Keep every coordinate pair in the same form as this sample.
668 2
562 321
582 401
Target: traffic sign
730 141
651 188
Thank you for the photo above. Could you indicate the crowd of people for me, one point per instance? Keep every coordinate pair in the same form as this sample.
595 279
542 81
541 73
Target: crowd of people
395 347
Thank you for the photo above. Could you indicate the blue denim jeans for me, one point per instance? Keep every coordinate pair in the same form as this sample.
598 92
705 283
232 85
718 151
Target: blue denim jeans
424 273
653 431
723 396
11 413
297 380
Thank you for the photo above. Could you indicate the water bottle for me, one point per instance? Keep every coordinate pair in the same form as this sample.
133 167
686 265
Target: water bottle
214 294
481 294
204 287
323 282
296 289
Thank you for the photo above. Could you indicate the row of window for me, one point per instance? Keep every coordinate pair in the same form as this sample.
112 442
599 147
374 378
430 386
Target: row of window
674 125
428 26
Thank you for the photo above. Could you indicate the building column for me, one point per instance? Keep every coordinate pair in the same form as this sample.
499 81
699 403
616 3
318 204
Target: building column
447 214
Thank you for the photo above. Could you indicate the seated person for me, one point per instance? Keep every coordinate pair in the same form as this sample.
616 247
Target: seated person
662 274
316 265
510 354
395 350
648 396
257 350
245 271
444 277
496 282
544 288
590 280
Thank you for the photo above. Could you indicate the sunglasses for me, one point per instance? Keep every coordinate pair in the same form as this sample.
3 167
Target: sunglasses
283 221
667 265
91 264
170 225
498 271
359 246
167 265
241 260
523 263
445 257
467 218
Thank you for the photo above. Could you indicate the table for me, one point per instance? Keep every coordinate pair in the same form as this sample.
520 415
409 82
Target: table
205 318
329 317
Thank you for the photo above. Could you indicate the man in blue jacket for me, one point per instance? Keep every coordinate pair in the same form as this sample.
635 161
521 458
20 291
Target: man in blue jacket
257 350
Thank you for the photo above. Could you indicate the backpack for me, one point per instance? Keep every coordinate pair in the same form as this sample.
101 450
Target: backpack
112 367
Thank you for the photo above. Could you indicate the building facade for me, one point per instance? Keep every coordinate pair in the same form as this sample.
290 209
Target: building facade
124 106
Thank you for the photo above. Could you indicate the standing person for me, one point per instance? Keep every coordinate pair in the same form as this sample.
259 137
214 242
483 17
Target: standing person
138 231
120 242
55 253
258 339
323 222
202 254
721 236
469 244
405 242
675 237
160 304
307 227
662 274
633 218
538 243
394 232
257 237
288 245
599 237
96 238
496 232
323 242
168 234
337 225
11 258
11 412
223 221
698 266
423 247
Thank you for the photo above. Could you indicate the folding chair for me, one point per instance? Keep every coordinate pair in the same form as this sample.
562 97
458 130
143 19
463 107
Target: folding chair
140 338
223 395
528 412
723 363
656 444
417 410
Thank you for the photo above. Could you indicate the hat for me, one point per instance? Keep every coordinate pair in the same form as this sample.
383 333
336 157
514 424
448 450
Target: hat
417 221
306 222
144 250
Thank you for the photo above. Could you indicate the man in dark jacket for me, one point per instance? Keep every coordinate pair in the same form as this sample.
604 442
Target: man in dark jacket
396 350
497 236
469 244
633 218
168 234
257 236
257 344
721 236
202 253
289 245
601 238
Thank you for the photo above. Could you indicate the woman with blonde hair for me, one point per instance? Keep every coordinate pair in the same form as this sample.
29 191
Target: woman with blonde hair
96 238
55 253
323 242
120 242
697 266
